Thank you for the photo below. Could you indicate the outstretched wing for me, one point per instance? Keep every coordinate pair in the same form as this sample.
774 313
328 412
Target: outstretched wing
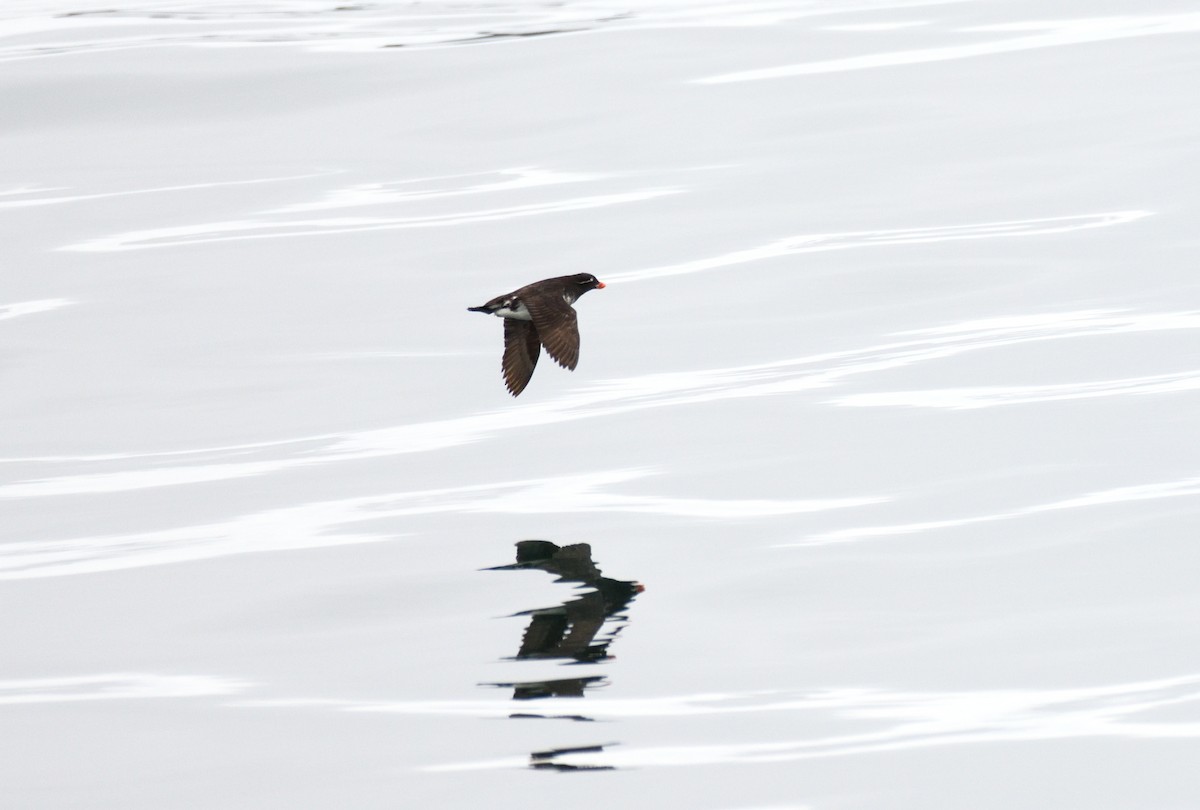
521 350
557 328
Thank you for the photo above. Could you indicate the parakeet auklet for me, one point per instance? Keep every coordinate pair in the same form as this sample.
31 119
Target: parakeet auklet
539 314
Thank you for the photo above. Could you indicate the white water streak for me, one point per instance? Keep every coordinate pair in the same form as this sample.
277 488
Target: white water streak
60 199
1055 33
897 720
32 307
114 686
818 242
993 396
799 375
233 230
323 523
1127 494
364 194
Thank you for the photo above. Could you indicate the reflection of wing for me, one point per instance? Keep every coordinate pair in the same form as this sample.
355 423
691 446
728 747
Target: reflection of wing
587 617
567 631
560 687
521 350
543 635
557 328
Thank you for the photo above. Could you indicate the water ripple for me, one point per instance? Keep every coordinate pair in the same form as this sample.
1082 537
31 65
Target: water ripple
1127 494
44 28
401 191
1054 33
20 308
114 686
993 396
269 229
818 242
800 375
70 198
905 721
323 523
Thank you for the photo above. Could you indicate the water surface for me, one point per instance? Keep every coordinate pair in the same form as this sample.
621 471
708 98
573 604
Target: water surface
888 405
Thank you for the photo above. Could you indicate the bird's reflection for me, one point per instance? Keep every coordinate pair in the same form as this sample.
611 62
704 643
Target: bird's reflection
578 631
570 630
551 760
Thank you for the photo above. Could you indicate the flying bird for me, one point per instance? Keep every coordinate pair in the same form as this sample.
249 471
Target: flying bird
539 314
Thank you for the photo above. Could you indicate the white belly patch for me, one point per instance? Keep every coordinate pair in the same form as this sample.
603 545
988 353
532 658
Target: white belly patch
518 313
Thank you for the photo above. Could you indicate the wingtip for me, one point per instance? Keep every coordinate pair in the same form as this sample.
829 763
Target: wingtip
514 387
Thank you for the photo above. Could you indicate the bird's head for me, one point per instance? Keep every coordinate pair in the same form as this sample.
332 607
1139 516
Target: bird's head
586 281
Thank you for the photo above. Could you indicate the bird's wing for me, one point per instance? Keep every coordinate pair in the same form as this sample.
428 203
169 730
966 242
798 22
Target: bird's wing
557 328
521 350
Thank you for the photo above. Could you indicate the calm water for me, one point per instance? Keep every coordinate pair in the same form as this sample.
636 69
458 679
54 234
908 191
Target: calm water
876 485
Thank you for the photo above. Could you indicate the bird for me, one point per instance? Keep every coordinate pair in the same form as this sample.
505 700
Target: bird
536 315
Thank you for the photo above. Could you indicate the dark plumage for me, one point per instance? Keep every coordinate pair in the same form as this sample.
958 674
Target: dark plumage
539 314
